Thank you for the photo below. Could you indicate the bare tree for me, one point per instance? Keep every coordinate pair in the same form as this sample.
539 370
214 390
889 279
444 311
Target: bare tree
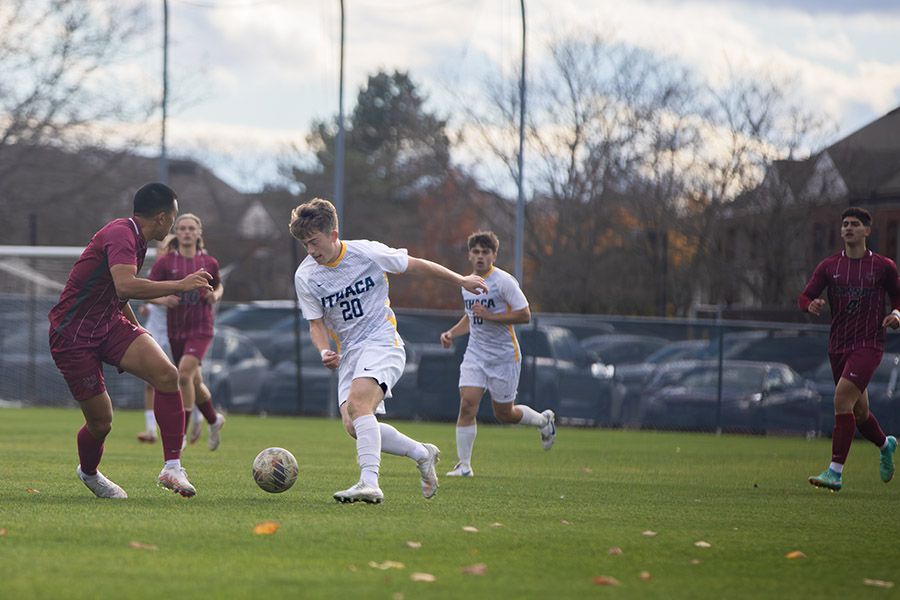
757 189
610 133
62 91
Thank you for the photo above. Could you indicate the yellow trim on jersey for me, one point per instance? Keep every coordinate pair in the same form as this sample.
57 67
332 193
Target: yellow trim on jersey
512 334
334 337
340 257
486 275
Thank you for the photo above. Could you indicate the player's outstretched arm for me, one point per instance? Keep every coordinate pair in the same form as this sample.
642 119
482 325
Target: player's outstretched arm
461 328
426 268
130 286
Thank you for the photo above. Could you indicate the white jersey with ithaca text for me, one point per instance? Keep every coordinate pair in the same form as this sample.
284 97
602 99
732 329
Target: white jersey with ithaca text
491 342
352 293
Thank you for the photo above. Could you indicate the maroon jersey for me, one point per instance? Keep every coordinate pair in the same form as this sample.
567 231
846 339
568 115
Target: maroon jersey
856 289
193 316
89 304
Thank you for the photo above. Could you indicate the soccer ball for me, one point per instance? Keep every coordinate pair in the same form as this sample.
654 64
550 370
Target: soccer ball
275 470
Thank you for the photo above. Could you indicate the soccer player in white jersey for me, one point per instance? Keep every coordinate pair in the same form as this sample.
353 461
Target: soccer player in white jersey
492 360
343 292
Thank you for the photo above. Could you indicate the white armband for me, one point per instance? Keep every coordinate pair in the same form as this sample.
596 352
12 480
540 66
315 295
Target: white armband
896 313
322 353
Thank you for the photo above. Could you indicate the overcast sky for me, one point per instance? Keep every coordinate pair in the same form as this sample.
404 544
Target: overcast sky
249 76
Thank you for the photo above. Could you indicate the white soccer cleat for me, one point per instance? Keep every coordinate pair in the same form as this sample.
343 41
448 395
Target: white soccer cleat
196 426
177 481
100 485
360 491
214 430
461 470
548 431
426 468
148 437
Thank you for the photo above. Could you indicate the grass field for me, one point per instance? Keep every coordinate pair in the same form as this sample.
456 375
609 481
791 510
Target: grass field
561 512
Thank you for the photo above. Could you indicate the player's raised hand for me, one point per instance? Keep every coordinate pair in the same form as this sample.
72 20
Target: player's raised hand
481 311
816 306
474 284
197 280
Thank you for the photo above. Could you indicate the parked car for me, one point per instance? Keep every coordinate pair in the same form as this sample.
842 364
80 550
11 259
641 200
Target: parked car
557 373
234 369
801 350
623 349
756 396
634 376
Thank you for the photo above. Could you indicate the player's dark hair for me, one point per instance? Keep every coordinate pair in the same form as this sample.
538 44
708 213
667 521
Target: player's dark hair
312 217
864 216
152 199
485 239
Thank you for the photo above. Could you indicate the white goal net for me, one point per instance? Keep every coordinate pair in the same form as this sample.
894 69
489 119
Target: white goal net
31 280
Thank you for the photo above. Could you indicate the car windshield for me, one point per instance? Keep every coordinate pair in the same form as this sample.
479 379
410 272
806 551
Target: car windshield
677 351
254 318
740 377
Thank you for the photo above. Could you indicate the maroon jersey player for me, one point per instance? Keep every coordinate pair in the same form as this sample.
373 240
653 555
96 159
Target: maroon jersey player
93 322
857 280
190 320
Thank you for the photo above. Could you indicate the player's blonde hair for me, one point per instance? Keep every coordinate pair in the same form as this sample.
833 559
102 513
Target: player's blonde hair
172 244
312 217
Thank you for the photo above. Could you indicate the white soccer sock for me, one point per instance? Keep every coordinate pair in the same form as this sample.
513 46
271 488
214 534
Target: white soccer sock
465 439
150 420
531 417
368 448
836 467
174 463
394 442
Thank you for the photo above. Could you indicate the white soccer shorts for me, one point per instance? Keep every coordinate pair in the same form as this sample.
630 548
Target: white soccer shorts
500 379
384 364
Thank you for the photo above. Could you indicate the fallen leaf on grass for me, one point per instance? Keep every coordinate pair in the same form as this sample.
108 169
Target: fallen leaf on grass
266 528
586 470
614 551
414 545
33 491
645 576
795 554
651 533
140 546
606 580
470 529
702 544
388 564
878 583
695 561
476 569
497 525
427 577
564 522
3 531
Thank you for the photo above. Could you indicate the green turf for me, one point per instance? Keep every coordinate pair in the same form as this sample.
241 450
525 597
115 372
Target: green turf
561 512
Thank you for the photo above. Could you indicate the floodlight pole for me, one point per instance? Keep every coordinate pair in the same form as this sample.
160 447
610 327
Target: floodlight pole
520 202
339 144
163 165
